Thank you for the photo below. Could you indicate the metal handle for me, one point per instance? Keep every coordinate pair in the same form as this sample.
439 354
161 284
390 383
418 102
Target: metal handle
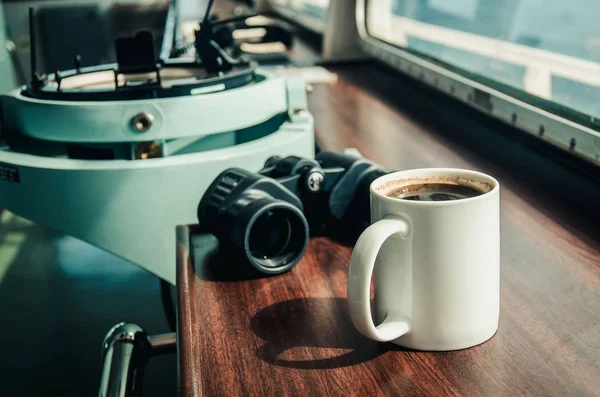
126 350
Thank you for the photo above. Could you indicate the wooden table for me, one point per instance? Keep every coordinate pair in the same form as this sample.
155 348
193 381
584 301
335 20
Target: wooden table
291 334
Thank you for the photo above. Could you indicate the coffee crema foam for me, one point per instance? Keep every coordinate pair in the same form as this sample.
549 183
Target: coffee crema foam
434 192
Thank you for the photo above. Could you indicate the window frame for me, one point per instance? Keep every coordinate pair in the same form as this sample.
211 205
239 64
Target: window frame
578 139
314 24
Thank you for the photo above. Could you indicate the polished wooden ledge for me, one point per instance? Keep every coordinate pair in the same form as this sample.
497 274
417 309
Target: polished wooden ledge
291 334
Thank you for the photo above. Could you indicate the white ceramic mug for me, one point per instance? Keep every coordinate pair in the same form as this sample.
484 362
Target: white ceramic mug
437 264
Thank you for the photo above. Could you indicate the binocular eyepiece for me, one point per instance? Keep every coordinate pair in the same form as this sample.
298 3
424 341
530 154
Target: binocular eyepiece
255 215
265 217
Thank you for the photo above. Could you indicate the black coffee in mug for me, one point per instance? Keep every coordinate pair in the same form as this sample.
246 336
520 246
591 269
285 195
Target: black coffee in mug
434 192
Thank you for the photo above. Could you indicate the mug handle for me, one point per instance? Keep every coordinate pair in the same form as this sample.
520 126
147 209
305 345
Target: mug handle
359 281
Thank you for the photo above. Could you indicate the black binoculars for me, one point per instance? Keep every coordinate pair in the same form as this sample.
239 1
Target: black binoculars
267 217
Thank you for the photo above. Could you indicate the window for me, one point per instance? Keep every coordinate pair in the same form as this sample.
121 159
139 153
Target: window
309 13
541 52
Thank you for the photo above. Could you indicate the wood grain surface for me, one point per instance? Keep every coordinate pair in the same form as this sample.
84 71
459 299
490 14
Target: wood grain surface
291 334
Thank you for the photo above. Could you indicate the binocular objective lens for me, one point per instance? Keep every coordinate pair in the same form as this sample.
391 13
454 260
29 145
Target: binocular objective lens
276 238
270 234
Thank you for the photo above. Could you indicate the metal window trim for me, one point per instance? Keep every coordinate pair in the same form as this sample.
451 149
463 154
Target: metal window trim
568 135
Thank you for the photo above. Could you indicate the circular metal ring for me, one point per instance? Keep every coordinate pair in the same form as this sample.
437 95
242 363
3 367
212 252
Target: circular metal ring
142 121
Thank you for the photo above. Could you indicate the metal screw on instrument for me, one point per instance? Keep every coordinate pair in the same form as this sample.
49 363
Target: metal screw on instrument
142 121
10 46
314 180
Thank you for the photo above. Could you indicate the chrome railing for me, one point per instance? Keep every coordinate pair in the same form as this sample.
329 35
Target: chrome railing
126 350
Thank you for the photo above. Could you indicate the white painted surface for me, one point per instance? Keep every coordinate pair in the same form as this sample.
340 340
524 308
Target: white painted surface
110 121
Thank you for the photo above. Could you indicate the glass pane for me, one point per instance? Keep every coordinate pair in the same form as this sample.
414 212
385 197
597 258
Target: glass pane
550 49
307 12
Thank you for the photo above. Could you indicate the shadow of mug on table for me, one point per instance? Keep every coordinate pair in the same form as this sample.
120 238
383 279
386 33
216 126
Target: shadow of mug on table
311 328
